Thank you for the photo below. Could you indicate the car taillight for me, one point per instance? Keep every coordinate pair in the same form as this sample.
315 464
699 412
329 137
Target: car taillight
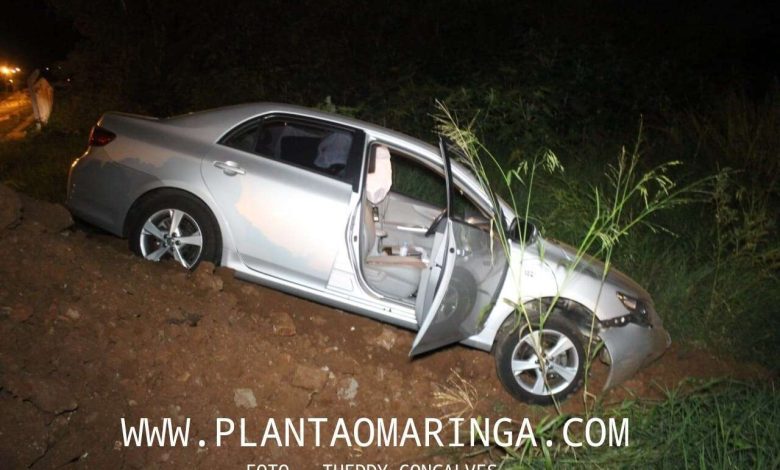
100 137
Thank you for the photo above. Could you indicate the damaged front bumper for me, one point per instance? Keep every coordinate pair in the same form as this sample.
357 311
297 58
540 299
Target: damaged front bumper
632 346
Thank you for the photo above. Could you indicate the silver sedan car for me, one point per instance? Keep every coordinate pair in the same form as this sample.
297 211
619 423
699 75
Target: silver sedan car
368 220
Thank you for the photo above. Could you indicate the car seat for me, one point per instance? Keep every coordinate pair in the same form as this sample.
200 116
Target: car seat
394 275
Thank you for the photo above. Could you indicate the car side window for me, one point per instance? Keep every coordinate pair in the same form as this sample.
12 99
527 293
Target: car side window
419 182
243 138
322 149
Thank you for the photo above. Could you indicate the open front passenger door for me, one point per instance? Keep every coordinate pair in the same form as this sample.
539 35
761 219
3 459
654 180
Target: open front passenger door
465 273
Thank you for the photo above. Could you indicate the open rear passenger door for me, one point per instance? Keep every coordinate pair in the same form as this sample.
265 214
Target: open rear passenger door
466 270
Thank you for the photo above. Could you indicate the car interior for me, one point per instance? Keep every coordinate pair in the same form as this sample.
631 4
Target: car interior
394 248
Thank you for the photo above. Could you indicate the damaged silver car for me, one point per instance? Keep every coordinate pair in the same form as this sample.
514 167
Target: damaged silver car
368 220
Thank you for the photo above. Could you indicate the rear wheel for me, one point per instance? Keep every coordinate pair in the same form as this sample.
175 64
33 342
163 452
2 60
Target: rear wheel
174 225
540 365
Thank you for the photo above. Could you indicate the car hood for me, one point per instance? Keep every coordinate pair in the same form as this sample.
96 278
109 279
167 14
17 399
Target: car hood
558 254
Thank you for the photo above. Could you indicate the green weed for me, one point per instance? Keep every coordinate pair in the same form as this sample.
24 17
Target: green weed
718 424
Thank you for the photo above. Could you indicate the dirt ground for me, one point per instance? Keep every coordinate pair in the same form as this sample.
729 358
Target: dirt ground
91 334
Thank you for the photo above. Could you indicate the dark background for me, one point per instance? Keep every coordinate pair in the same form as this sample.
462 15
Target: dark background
169 56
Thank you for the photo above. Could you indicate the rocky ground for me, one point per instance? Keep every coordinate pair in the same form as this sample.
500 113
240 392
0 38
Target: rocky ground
91 334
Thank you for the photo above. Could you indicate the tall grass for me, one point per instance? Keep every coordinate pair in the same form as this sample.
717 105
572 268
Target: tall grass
718 251
624 199
714 271
718 275
708 425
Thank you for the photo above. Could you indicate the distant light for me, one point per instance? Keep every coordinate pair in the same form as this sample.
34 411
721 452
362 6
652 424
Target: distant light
5 70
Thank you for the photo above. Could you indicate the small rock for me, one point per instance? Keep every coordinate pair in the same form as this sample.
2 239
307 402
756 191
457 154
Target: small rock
348 389
205 278
244 398
386 338
283 324
205 267
72 313
224 273
310 378
10 207
294 398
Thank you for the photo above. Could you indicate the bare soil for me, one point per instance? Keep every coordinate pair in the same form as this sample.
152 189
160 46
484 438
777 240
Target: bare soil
91 334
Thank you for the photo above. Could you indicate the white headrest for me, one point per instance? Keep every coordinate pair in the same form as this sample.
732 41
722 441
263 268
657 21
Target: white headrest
379 181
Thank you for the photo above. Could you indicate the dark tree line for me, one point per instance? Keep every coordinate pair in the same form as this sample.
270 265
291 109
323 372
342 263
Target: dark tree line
574 63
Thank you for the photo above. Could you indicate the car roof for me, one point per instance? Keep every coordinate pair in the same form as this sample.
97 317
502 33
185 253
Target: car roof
218 121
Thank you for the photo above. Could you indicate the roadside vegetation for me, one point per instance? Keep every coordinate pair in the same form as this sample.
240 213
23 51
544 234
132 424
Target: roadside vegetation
717 424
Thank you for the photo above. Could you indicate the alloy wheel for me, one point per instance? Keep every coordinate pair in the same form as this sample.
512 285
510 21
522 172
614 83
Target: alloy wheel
171 232
545 362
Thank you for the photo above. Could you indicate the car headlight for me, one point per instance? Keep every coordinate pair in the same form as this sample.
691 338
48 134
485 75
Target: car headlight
637 312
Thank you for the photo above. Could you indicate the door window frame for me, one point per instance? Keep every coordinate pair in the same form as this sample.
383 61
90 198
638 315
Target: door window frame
352 169
458 187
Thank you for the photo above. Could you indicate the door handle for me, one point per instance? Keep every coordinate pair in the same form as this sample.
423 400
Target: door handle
230 168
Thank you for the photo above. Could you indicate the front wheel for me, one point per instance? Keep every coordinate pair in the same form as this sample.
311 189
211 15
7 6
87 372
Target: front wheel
174 226
540 365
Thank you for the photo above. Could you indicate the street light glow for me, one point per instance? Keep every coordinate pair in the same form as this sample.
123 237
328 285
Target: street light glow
8 71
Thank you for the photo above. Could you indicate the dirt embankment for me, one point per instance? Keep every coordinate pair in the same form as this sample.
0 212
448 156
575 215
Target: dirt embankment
91 334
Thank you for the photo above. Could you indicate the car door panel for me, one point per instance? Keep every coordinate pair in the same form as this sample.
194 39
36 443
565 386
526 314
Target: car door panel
466 272
286 221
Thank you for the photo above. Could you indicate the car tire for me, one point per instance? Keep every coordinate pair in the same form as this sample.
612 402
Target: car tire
518 366
195 239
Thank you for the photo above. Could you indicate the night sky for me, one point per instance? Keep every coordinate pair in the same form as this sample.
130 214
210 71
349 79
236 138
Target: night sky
32 35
